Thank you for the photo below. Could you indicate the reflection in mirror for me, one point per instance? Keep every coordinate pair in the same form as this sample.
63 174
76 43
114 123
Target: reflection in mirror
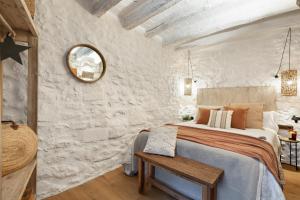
86 63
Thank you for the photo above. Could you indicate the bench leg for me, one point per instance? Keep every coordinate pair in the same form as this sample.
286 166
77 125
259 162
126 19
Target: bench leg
150 175
141 174
209 193
213 193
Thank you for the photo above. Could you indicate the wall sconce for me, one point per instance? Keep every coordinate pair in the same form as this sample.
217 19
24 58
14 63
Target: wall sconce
188 82
288 77
188 86
289 83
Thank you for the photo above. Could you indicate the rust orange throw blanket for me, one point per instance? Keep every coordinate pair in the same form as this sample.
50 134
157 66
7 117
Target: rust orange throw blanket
246 145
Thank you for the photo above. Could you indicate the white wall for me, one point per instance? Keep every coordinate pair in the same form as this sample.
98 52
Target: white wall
246 61
85 129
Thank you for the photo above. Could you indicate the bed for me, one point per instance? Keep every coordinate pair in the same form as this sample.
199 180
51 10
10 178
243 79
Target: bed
245 178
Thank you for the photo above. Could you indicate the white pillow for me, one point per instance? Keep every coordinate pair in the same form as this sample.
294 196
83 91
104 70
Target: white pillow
270 121
162 141
220 119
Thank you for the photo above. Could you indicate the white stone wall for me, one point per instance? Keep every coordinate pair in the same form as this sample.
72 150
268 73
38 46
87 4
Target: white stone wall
245 62
85 129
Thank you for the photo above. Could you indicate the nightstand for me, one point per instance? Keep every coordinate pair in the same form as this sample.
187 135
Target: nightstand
290 142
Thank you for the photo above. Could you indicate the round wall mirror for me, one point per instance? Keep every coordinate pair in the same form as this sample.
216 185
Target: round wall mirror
86 63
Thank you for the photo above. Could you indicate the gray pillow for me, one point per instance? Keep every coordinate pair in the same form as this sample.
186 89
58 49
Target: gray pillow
162 141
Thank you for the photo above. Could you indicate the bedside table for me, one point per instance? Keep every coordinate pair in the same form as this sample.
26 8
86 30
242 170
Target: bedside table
290 142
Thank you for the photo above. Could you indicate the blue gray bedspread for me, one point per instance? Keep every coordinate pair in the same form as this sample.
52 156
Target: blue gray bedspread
245 178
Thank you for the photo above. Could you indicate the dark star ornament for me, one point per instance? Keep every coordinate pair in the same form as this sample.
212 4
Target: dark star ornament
9 49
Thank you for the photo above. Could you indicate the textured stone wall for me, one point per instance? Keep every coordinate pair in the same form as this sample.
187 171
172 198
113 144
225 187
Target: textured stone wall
85 129
245 62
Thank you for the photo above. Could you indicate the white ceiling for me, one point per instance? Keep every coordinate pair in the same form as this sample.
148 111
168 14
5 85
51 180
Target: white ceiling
185 23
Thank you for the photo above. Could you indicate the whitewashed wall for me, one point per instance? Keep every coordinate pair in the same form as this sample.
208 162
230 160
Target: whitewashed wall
249 61
84 129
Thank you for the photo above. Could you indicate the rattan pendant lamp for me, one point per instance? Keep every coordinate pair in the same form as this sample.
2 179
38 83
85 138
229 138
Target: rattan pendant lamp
288 77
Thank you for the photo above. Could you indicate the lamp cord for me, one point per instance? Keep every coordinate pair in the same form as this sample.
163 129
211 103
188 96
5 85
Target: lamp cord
290 30
286 40
190 64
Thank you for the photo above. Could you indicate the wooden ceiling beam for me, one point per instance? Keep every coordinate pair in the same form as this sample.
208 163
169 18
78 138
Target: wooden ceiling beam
186 40
235 39
140 11
102 6
166 25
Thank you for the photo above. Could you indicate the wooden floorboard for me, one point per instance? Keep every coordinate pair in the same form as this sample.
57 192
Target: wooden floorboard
292 178
116 186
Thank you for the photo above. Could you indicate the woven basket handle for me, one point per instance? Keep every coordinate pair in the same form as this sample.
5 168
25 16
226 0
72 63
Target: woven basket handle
13 125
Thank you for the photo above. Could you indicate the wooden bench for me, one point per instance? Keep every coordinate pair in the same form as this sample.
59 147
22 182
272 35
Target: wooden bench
189 169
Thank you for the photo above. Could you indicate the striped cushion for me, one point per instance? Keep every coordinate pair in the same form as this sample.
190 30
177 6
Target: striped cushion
220 119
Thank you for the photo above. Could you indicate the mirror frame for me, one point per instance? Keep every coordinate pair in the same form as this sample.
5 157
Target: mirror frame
97 51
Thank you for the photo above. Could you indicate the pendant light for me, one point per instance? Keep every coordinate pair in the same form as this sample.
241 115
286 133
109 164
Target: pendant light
288 77
188 82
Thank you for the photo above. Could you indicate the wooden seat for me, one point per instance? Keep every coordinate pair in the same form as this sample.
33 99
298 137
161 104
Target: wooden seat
192 170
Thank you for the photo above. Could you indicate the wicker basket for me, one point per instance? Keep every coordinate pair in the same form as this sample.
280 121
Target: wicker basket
19 148
31 6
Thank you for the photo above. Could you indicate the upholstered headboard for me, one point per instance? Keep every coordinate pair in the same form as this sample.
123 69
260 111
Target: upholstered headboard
227 95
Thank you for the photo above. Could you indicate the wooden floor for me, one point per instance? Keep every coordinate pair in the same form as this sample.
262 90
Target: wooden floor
111 186
292 186
116 186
